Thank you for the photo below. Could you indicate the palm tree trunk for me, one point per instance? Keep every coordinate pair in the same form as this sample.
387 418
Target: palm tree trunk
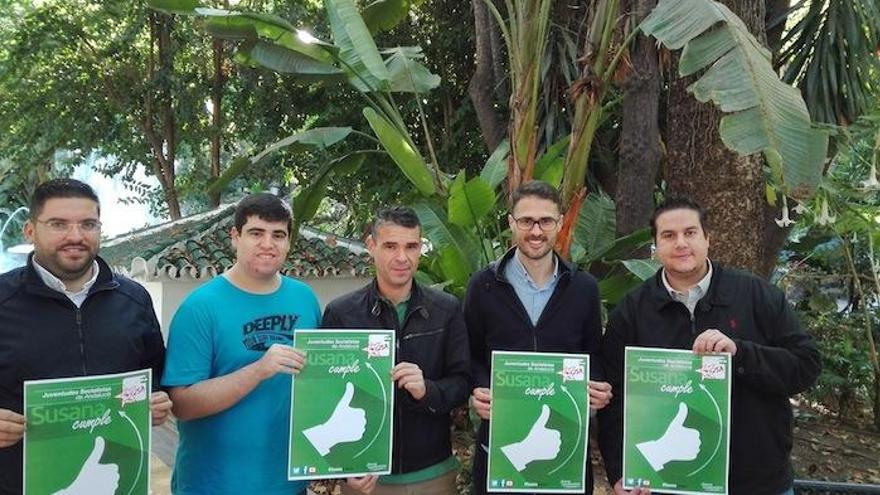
640 133
731 187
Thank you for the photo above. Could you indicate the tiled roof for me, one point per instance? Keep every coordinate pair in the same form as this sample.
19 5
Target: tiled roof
199 246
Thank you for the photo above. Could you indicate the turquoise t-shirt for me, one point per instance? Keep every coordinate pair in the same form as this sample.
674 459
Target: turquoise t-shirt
219 329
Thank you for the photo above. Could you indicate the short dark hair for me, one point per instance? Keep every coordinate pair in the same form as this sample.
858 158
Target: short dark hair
679 202
60 188
397 215
537 189
264 206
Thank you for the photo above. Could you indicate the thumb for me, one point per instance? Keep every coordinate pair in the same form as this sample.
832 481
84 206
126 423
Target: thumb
678 420
97 451
345 401
543 418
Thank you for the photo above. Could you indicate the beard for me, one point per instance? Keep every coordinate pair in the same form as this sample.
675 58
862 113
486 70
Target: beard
530 251
67 269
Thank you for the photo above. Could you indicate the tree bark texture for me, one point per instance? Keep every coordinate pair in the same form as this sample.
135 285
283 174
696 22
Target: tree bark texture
731 187
639 158
483 84
163 141
217 116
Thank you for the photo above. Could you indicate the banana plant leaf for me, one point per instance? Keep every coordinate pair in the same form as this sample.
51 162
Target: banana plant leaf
357 49
469 201
402 152
408 75
280 59
307 201
766 115
495 170
319 137
383 15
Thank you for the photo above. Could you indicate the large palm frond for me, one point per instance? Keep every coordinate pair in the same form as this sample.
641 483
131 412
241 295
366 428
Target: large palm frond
829 53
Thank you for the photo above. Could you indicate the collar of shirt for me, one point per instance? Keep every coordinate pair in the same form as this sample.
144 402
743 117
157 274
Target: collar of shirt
56 284
517 270
695 293
533 298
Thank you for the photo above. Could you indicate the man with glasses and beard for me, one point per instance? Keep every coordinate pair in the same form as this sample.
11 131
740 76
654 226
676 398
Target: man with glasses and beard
66 314
530 300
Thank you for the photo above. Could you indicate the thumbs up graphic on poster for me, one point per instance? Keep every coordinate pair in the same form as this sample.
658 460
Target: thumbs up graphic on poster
94 478
346 424
540 444
678 443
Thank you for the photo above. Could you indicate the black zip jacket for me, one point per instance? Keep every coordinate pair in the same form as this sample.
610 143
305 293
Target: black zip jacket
44 335
497 321
775 359
432 336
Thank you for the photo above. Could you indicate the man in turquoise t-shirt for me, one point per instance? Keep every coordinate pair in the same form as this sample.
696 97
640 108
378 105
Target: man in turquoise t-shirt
229 363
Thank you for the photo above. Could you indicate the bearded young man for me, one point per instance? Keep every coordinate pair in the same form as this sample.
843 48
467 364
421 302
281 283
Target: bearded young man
66 314
530 300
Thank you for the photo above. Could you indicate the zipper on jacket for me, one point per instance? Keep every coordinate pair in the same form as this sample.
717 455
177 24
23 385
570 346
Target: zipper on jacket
82 340
398 416
399 412
421 334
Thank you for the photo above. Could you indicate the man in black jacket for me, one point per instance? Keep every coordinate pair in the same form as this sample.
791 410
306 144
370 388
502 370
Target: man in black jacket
66 314
694 304
432 373
530 300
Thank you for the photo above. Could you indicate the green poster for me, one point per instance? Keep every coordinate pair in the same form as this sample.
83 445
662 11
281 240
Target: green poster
675 429
540 417
88 435
342 404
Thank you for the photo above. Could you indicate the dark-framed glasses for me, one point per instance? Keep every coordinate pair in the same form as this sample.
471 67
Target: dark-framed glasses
544 223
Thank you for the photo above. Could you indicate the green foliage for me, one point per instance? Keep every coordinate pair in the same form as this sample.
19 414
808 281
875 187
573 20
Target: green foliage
401 151
550 167
846 378
306 203
382 15
357 48
830 53
495 170
832 270
318 138
407 75
455 250
469 200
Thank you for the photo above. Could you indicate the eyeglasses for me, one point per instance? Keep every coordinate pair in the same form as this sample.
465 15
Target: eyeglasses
63 227
545 223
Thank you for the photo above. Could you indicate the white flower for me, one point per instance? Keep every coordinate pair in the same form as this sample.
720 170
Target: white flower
825 218
785 221
800 209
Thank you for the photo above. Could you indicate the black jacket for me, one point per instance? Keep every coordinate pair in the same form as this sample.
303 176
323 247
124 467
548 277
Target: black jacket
432 335
44 335
497 321
775 359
